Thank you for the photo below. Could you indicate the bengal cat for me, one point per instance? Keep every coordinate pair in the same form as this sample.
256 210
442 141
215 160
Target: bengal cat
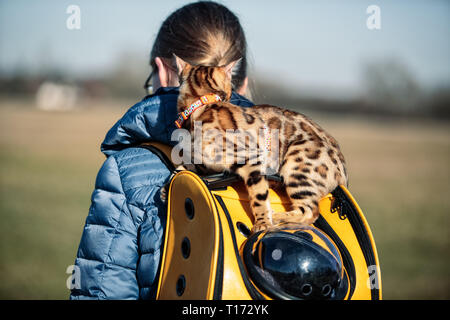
311 163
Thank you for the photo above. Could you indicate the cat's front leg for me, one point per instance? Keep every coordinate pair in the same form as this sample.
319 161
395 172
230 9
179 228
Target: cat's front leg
258 193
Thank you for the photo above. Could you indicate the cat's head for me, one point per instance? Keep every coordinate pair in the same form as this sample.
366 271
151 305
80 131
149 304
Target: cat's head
196 81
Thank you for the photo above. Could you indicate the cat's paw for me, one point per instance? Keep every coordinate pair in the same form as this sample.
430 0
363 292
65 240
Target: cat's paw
163 193
261 226
294 217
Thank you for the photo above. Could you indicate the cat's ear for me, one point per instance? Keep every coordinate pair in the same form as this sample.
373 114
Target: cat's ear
230 67
181 64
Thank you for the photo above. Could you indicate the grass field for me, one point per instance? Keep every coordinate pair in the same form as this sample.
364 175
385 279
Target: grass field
399 174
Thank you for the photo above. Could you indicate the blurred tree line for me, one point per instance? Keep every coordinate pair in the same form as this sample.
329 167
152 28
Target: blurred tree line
124 80
389 88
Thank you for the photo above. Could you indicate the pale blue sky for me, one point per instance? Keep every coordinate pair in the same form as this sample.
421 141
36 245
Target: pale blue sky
312 44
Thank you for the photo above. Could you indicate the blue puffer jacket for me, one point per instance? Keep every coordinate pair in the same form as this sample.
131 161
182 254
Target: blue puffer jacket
120 249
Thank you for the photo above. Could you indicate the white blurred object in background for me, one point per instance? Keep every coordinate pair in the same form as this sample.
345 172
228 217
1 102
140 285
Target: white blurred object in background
55 96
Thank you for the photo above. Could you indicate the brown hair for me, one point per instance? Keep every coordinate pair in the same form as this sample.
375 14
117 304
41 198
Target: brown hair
203 33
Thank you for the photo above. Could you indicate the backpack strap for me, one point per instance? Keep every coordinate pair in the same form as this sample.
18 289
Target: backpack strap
162 151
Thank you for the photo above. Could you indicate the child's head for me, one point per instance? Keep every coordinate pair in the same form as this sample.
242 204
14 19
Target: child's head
201 33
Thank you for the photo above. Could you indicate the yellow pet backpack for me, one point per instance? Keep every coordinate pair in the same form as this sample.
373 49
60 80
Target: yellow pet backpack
210 254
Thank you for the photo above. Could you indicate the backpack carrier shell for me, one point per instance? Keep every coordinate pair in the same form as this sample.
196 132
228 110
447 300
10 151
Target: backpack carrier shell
208 226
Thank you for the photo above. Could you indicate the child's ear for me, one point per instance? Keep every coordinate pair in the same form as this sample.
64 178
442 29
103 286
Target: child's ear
229 67
181 64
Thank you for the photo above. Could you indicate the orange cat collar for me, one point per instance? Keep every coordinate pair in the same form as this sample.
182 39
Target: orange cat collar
183 116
